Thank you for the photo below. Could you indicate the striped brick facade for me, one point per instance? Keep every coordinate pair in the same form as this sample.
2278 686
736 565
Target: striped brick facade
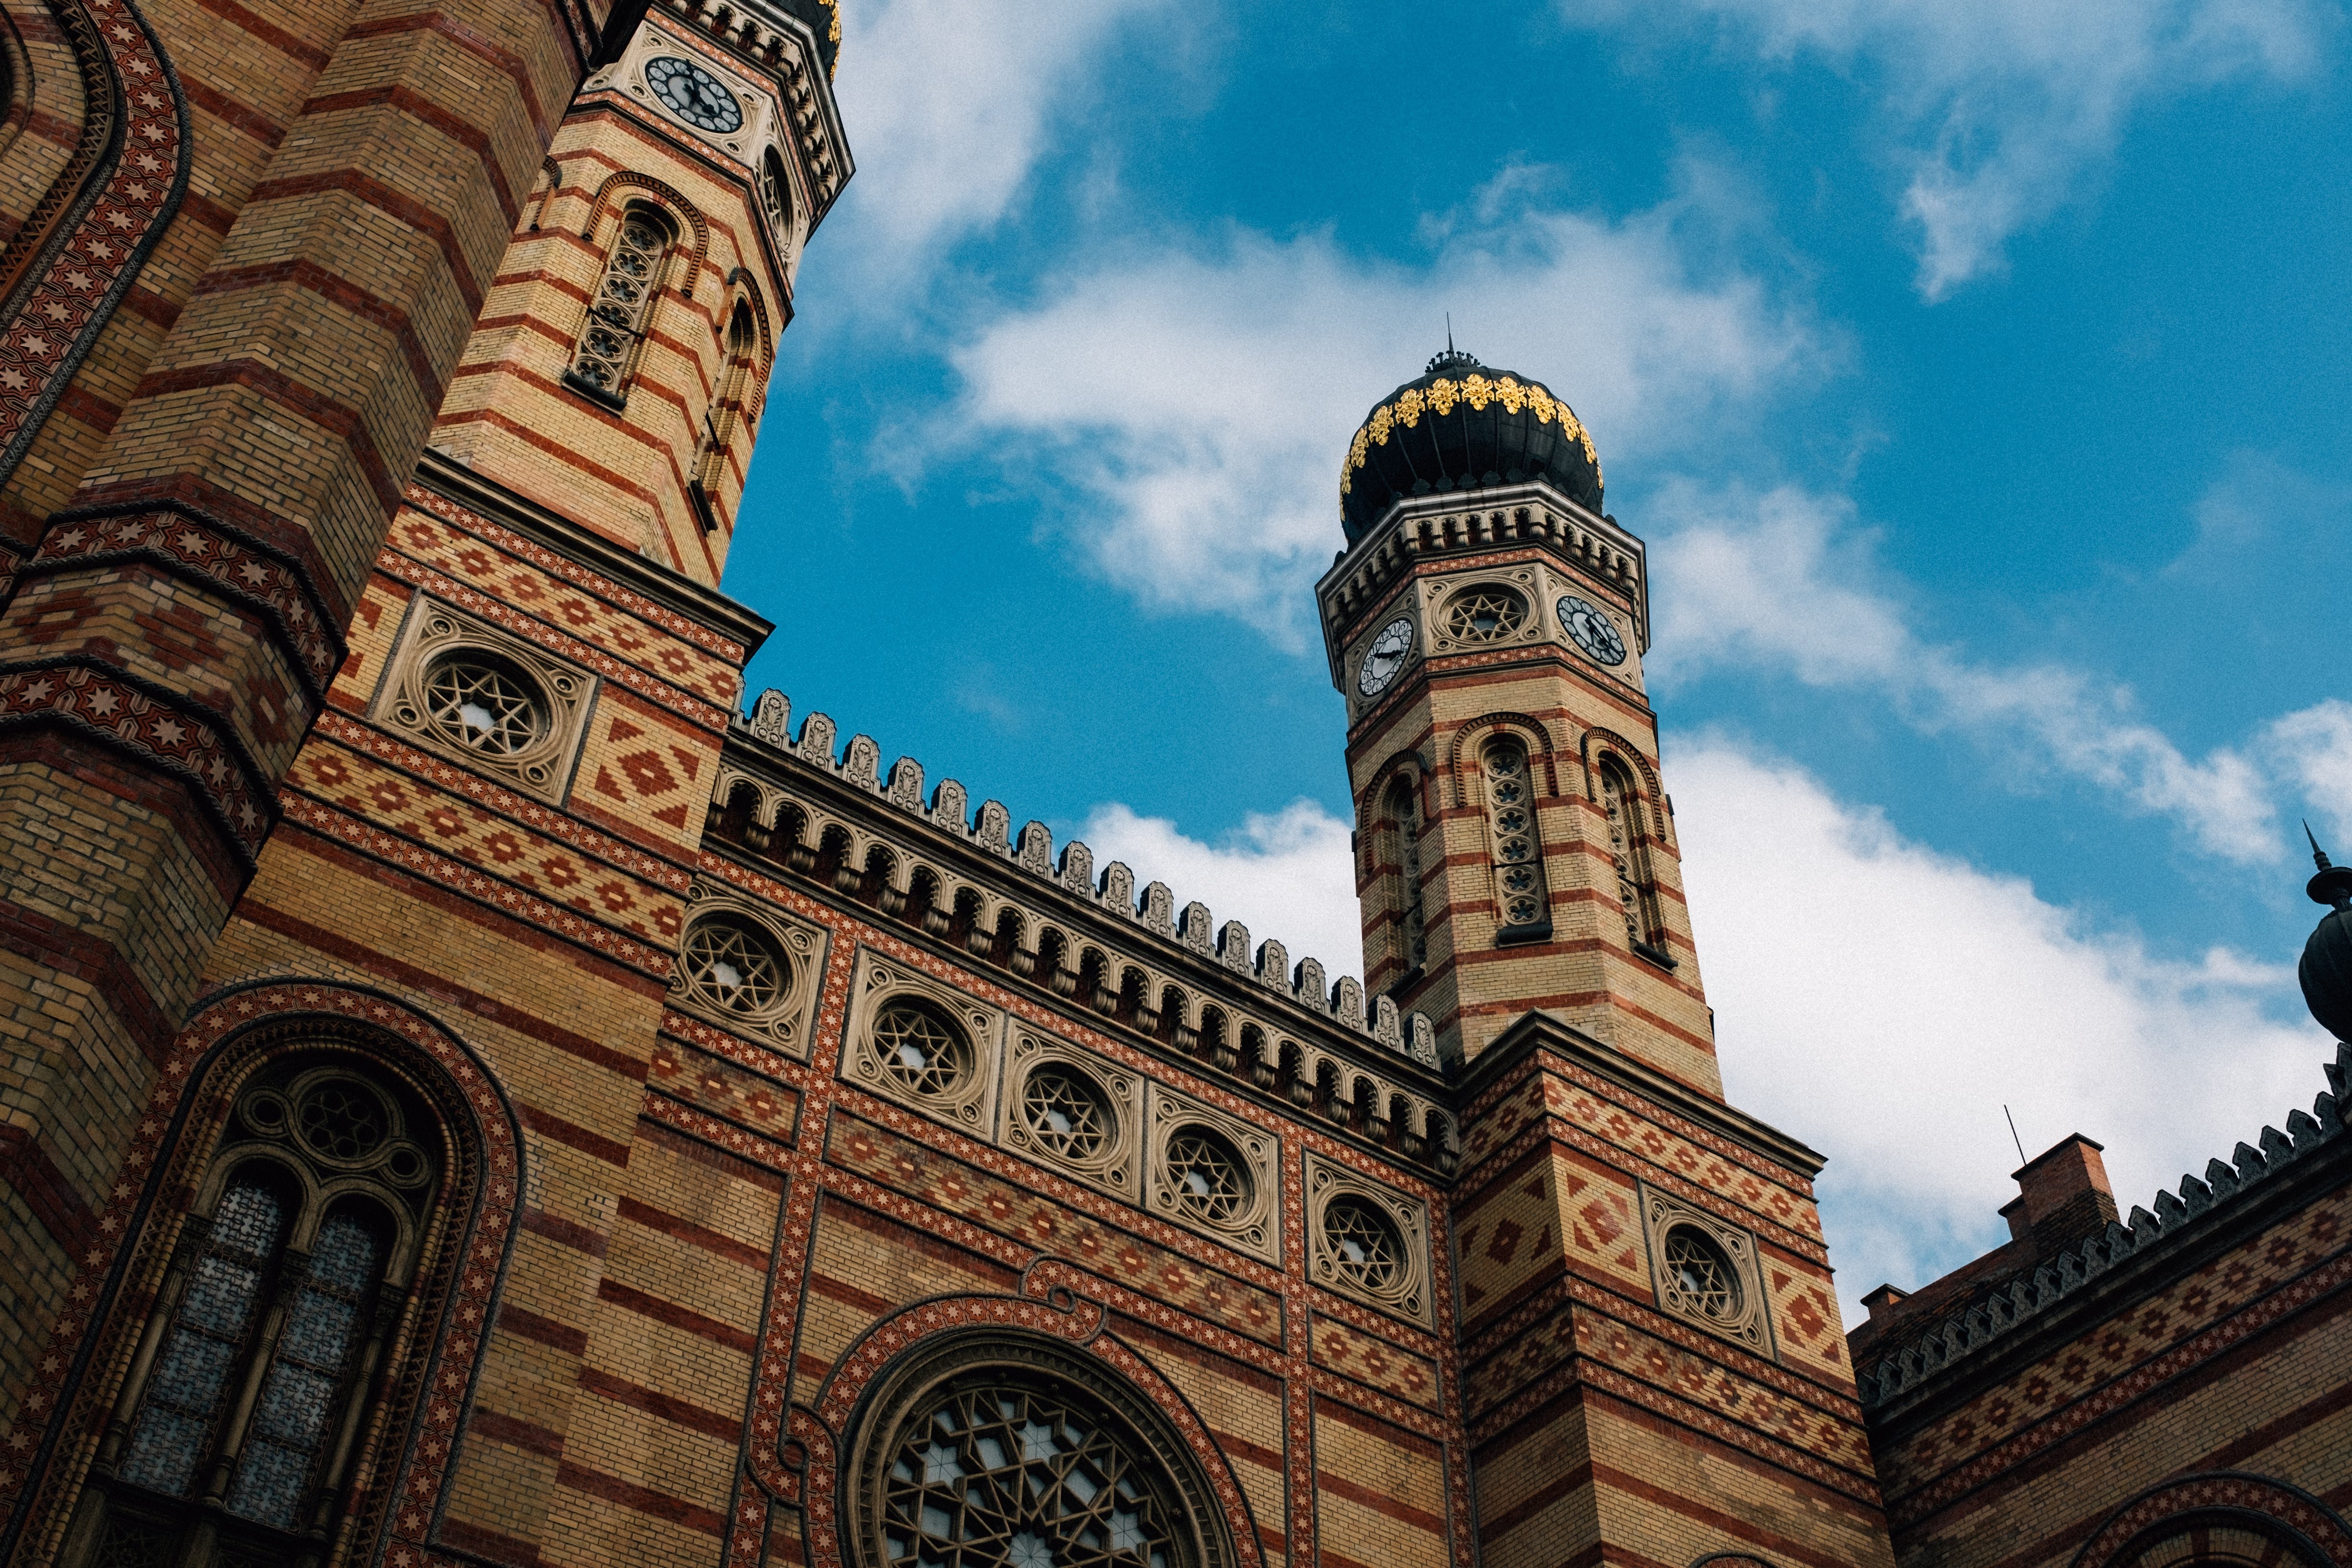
303 405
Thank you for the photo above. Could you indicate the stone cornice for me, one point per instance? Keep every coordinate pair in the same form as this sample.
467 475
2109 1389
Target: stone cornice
550 530
1540 1032
1472 522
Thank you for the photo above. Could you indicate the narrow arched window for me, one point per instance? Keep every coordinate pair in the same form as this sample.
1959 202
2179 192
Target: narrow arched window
1523 907
233 1435
1629 849
1404 838
620 311
776 196
726 428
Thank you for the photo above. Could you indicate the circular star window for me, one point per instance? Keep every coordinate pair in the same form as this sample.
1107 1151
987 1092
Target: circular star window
926 1055
730 966
1067 1114
1362 1246
1485 615
1204 1176
1700 1280
483 703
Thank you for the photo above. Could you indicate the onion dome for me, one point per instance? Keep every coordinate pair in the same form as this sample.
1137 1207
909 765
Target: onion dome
1457 429
824 17
2327 967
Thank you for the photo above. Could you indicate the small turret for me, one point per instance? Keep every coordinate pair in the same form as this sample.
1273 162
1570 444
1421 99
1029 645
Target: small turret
2327 967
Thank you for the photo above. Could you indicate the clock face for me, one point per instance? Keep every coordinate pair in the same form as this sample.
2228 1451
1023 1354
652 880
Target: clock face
694 95
1385 657
1592 629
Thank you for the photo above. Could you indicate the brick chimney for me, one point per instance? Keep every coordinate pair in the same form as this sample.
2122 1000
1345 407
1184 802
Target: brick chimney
2063 1196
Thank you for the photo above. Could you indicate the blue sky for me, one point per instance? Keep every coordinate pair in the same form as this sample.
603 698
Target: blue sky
1976 374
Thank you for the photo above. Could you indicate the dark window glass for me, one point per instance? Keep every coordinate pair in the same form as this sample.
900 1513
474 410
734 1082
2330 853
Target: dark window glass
314 1351
192 1379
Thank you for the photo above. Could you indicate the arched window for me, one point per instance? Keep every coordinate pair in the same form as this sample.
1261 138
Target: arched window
776 196
620 313
1629 848
727 422
1522 904
1401 844
233 1435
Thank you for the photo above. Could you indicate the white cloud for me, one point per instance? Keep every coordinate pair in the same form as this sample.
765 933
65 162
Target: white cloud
1199 404
2313 747
1882 1003
950 104
1758 578
1997 109
1288 875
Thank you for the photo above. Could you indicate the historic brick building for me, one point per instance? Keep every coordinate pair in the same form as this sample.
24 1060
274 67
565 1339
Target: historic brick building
476 1092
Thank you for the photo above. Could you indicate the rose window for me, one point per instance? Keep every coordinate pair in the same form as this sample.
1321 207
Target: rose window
1363 1244
1205 1175
992 1474
730 965
1065 1113
1485 615
483 704
340 1120
1699 1279
922 1050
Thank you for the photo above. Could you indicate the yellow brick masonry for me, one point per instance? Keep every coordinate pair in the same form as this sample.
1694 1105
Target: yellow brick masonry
285 396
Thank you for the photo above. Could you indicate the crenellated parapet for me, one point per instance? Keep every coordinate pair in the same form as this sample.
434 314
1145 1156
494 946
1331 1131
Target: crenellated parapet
937 863
1916 1363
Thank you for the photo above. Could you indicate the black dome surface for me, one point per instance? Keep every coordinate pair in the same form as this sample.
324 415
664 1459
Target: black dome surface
1459 426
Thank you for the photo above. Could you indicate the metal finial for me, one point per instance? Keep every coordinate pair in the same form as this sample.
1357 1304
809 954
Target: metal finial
2331 884
1449 331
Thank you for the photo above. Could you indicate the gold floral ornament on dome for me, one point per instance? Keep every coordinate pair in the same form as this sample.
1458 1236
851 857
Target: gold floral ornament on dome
1440 396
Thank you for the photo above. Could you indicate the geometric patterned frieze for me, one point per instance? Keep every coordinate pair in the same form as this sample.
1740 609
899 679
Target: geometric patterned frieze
1705 1272
1367 1241
924 1045
749 968
1070 1109
1213 1172
491 700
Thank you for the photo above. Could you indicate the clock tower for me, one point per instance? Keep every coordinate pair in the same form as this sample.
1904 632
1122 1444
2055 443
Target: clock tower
1515 850
1653 1368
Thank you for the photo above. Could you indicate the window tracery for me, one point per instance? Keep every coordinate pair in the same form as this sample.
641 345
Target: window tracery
619 311
1403 839
232 1442
1629 851
1487 614
727 419
1523 905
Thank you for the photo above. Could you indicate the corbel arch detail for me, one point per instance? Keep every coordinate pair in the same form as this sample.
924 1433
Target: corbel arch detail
2177 1523
230 1038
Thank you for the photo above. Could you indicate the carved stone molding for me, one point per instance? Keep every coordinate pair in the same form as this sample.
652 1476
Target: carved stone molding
962 1096
1404 1289
436 634
1051 1088
1723 1291
1249 1221
778 1017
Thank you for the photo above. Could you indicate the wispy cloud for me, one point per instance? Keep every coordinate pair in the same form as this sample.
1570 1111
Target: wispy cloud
1785 579
1996 110
951 106
1883 1002
1192 408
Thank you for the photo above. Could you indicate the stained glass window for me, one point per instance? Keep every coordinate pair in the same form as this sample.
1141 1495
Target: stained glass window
992 1473
204 1349
314 1350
